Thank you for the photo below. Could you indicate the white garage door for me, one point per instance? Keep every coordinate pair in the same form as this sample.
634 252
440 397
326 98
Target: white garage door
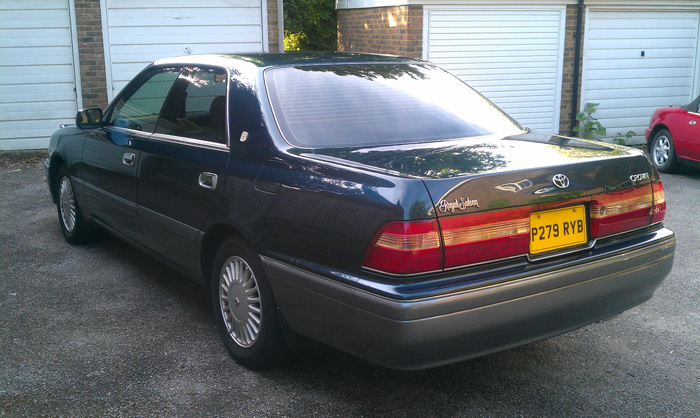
141 32
635 62
514 57
37 81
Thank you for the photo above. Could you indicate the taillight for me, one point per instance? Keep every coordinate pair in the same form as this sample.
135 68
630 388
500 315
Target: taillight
622 210
659 210
406 247
486 236
411 247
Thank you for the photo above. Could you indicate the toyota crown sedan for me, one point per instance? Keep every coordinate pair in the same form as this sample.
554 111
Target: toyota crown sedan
378 205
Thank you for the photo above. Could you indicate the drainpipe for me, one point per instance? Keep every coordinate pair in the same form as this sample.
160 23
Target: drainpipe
577 63
280 25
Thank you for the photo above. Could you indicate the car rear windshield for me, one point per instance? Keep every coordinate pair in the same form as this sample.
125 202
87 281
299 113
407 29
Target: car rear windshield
338 106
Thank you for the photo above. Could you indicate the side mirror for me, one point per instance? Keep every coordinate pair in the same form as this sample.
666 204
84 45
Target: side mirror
89 118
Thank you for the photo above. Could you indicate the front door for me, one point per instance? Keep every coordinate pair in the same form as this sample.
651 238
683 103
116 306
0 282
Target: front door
110 160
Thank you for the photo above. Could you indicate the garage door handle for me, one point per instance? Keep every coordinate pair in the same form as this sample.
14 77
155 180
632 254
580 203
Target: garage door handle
692 122
129 159
208 180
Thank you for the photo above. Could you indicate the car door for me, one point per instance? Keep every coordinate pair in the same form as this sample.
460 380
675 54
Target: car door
689 132
182 164
111 162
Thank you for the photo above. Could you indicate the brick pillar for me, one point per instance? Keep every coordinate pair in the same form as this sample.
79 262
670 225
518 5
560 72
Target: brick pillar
567 86
272 38
382 30
91 53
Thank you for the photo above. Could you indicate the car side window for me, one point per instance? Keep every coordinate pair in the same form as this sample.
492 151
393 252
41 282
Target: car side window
138 109
196 106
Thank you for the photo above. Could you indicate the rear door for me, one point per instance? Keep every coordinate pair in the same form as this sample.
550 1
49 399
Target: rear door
110 159
182 164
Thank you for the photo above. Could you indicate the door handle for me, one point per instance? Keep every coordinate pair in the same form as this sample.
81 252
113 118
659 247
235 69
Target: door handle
129 159
692 122
208 180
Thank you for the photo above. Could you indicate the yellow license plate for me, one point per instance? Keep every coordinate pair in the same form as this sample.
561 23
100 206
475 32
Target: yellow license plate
557 228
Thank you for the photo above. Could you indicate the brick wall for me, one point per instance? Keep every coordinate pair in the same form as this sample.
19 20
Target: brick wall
382 30
567 85
272 38
91 53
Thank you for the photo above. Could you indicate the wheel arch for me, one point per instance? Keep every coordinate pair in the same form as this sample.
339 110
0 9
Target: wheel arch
653 133
212 239
55 163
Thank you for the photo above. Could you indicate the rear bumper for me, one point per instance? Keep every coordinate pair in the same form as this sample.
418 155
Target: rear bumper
458 325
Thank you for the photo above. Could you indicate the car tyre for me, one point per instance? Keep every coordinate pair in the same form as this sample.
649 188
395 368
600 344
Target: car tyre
244 307
69 216
663 152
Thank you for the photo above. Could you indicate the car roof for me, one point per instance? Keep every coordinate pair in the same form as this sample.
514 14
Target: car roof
286 59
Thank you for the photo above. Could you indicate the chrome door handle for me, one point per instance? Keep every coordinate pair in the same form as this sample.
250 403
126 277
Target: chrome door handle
208 180
692 122
129 159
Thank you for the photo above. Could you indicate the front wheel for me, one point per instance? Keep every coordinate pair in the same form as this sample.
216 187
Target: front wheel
663 152
244 307
69 216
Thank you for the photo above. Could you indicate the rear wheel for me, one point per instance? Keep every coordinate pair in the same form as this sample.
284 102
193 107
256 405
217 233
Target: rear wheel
69 216
663 153
244 307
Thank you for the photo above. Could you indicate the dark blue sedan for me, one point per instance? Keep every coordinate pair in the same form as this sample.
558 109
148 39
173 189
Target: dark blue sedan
378 205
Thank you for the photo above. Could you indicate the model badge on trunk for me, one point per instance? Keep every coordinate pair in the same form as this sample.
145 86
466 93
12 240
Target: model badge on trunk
561 181
461 204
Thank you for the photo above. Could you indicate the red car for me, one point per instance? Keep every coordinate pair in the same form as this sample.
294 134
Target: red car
673 136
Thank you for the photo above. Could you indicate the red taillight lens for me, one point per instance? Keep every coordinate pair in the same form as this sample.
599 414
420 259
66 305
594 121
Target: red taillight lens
659 211
621 211
486 236
405 248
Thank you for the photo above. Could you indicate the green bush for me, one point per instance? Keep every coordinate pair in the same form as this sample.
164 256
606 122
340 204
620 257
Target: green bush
589 126
310 25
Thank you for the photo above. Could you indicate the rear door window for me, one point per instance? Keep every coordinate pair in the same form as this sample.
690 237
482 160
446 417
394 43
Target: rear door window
196 106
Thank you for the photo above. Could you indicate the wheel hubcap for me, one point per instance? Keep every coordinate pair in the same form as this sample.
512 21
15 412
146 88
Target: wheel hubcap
66 203
239 298
662 150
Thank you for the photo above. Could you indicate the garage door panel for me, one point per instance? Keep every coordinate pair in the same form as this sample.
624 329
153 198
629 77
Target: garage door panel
596 96
649 53
33 5
64 110
142 32
621 64
194 35
616 74
631 83
173 50
621 19
37 78
640 44
245 16
9 71
64 52
139 4
50 96
25 80
498 78
23 41
513 57
650 32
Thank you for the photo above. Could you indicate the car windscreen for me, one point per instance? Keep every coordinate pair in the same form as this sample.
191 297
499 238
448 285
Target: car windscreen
338 106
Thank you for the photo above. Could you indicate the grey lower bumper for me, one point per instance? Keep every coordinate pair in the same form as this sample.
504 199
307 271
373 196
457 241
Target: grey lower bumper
457 326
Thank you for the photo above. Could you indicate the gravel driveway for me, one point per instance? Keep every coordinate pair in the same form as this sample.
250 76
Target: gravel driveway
103 330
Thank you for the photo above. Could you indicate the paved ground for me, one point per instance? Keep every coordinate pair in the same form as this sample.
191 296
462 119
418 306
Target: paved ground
102 330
